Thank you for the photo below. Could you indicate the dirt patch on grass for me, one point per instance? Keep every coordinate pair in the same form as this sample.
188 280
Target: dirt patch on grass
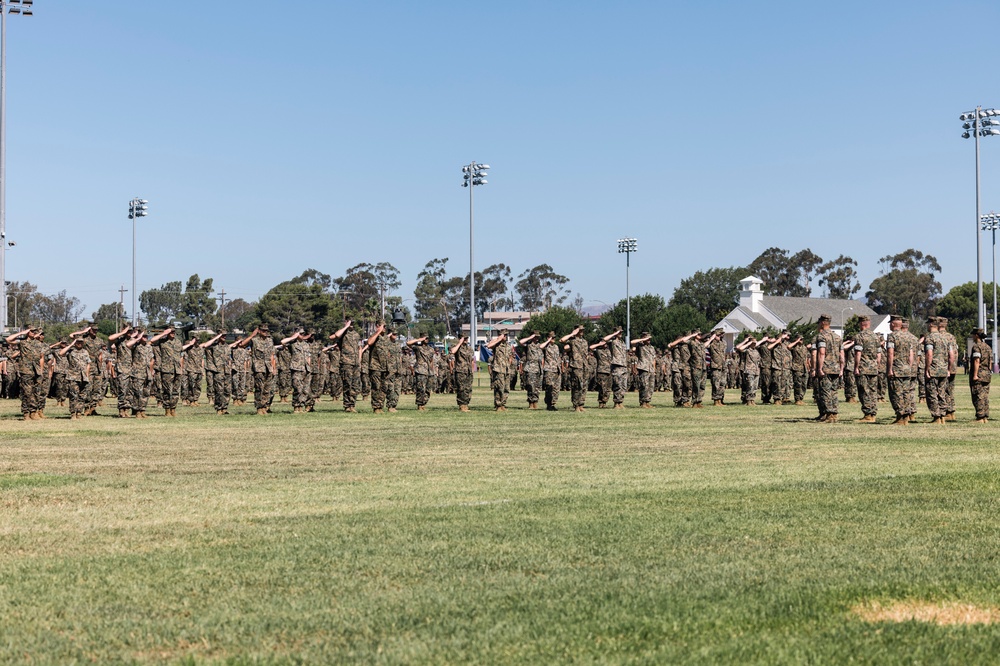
941 613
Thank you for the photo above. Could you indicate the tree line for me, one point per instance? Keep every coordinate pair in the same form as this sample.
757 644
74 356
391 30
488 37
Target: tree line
906 284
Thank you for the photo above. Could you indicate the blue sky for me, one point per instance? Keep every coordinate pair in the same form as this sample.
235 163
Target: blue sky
273 137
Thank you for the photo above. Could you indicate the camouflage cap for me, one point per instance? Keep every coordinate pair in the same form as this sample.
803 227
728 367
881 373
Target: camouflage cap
864 318
825 317
979 333
942 320
896 317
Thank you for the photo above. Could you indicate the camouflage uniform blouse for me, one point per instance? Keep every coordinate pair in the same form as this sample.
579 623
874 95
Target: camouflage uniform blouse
982 351
829 341
870 347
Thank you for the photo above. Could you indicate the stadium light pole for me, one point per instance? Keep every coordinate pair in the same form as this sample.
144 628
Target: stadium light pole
977 123
473 174
22 8
627 246
990 223
136 208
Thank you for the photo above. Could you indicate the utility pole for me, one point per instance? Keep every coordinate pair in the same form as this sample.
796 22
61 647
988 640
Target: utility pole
222 293
121 307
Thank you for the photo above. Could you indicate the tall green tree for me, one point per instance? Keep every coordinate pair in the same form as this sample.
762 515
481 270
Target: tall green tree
560 319
162 304
645 310
302 301
57 308
907 285
839 278
785 275
959 306
540 287
198 303
714 292
108 317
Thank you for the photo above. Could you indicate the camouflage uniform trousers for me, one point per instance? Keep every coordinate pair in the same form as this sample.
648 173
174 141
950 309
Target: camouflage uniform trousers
677 384
366 386
284 383
552 382
500 383
32 396
240 388
980 398
898 388
697 385
263 387
350 382
718 384
765 384
781 384
78 391
114 385
170 384
59 388
937 395
868 393
463 388
393 389
828 394
800 382
850 386
921 387
220 390
125 398
380 385
334 385
301 384
141 388
317 386
646 387
749 387
96 390
192 386
422 389
949 404
209 388
619 383
686 386
603 385
578 386
532 384
883 385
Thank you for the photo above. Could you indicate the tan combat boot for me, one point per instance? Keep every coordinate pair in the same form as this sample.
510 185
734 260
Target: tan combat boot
868 418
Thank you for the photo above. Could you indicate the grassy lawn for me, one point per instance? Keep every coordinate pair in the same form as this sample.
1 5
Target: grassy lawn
721 535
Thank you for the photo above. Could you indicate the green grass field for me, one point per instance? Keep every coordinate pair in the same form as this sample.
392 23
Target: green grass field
722 535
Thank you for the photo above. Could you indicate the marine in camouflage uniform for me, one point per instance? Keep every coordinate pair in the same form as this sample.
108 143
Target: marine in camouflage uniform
800 369
263 364
766 368
910 397
619 367
781 369
980 375
394 384
697 361
949 405
142 372
531 366
901 363
936 372
31 371
646 366
602 381
867 354
350 348
217 362
333 382
378 366
423 355
551 371
79 373
462 365
749 370
123 369
500 370
171 369
241 372
283 355
676 379
829 366
299 365
194 372
717 363
684 358
59 387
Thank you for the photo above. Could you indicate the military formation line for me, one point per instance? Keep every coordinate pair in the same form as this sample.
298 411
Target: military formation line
136 368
